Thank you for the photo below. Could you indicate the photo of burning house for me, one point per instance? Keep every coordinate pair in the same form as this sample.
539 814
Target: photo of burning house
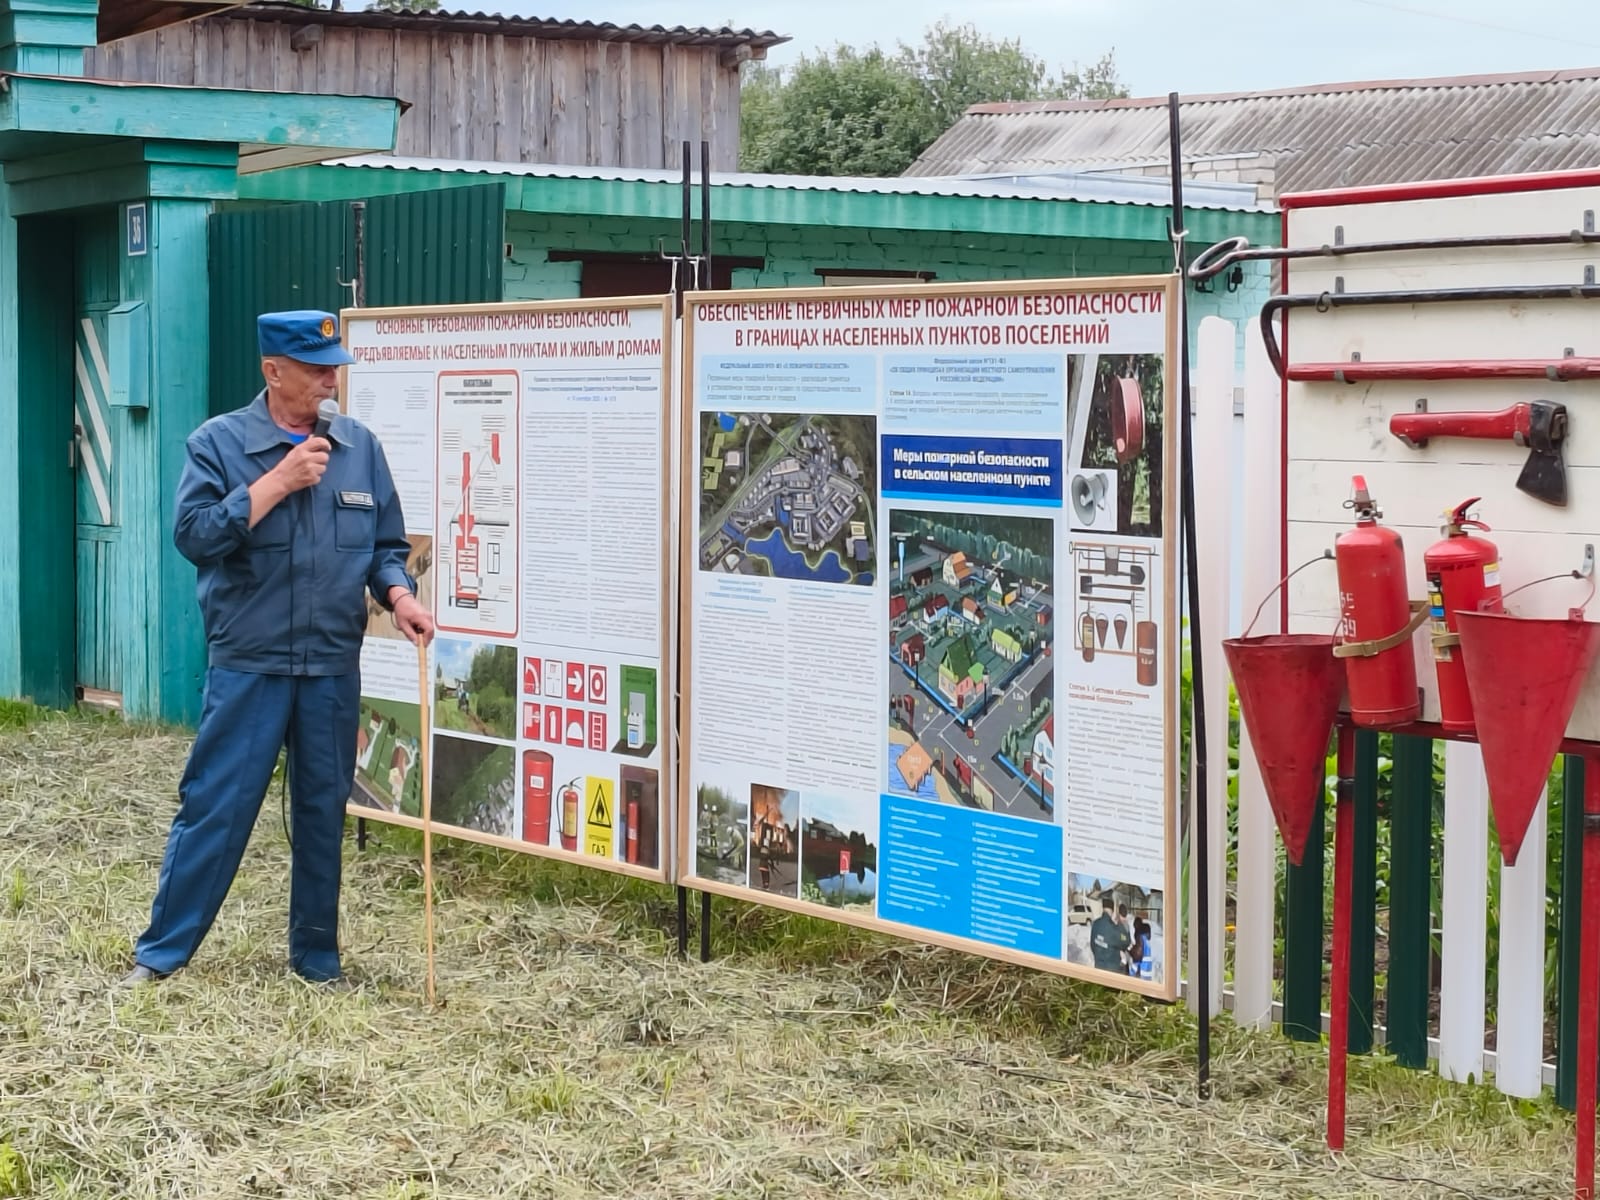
839 852
774 840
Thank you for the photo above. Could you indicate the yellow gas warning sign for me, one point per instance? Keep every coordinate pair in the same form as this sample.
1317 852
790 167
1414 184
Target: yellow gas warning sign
600 796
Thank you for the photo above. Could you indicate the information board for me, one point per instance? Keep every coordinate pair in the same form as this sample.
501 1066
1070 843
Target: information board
529 444
930 557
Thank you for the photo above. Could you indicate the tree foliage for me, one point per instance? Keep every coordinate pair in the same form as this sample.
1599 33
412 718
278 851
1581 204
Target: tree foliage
871 112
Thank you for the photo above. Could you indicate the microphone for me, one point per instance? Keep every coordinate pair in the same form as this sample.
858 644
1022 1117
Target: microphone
326 412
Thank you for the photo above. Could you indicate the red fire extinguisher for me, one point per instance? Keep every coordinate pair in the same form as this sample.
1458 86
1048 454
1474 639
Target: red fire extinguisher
1463 576
1376 622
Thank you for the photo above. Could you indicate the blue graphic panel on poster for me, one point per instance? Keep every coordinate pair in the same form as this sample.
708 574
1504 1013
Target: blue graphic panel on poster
971 874
988 469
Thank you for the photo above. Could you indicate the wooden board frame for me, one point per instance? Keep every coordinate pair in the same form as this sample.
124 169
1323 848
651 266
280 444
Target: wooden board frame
1171 544
668 774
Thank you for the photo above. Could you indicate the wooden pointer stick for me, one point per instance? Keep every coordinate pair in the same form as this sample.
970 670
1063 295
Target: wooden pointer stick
427 807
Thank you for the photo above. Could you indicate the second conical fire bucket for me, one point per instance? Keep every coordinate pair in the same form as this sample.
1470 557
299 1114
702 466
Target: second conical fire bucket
1289 687
1524 675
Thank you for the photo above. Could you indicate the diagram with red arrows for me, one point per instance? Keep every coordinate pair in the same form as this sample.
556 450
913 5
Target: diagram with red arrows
478 485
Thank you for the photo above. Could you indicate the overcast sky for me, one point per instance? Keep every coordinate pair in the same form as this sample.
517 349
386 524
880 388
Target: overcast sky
1211 46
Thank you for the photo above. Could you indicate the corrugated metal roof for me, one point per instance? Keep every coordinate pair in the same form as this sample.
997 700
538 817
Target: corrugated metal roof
1046 185
549 28
1336 135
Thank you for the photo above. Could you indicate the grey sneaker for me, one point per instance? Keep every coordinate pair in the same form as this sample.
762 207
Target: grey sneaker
140 974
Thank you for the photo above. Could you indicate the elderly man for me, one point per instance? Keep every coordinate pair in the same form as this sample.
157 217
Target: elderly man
288 529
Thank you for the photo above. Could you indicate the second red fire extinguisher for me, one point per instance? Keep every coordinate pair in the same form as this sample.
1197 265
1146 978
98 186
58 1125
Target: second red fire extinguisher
1376 620
1463 576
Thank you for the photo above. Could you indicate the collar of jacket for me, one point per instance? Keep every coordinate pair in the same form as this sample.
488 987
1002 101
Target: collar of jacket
263 433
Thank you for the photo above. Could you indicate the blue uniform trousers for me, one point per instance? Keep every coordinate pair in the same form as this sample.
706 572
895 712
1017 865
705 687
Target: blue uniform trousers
246 719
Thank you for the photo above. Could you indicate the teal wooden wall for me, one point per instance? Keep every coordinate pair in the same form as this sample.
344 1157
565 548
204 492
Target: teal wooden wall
10 464
164 667
425 248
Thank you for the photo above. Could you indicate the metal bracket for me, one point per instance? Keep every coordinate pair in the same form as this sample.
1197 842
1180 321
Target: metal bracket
1338 235
1588 220
1339 376
1338 284
1585 571
1588 275
1421 405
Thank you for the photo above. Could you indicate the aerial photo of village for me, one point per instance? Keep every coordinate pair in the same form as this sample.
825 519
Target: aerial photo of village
789 495
971 623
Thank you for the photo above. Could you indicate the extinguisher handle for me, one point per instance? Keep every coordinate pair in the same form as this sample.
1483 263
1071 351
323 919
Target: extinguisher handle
1460 520
1512 423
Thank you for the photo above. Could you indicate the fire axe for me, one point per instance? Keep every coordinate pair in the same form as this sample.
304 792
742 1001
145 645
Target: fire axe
1539 425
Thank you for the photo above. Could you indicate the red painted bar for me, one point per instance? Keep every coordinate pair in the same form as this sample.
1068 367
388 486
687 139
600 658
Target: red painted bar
1554 369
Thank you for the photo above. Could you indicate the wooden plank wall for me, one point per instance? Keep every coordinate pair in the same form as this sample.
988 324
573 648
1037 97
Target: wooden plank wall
473 96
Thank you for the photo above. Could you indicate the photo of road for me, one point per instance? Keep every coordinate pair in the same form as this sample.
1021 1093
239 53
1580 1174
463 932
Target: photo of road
789 495
971 624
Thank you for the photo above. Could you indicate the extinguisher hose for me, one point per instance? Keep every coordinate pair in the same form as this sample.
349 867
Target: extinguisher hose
1367 649
1553 578
1325 556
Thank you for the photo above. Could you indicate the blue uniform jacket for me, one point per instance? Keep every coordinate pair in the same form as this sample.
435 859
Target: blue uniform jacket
288 597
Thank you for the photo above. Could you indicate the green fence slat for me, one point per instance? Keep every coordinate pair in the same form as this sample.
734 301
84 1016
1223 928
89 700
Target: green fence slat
1302 937
1364 893
1568 939
1410 921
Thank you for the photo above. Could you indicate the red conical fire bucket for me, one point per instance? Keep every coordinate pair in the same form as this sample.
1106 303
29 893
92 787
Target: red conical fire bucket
1524 675
1289 686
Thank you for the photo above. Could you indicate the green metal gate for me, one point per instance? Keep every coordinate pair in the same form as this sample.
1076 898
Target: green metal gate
435 247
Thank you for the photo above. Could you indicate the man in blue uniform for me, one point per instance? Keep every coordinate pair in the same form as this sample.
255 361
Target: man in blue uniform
289 531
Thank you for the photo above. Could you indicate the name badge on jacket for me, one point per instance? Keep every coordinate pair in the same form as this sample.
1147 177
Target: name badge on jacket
356 499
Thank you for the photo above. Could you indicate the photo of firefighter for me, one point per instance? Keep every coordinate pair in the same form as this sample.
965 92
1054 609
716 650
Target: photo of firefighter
1115 927
722 823
774 840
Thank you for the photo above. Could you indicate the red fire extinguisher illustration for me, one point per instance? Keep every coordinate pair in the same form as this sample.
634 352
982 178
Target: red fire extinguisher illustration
1376 622
569 815
1463 576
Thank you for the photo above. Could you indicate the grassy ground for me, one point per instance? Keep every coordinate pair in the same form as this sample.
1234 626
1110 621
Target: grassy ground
573 1055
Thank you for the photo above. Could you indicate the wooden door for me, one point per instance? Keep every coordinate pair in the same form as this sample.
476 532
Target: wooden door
99 531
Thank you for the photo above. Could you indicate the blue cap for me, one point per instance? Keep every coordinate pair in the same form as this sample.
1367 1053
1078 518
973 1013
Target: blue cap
307 336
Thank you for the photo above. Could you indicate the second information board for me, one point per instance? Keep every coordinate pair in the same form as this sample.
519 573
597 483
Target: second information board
929 585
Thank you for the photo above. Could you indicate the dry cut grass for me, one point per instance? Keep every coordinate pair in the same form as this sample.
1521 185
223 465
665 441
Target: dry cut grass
573 1055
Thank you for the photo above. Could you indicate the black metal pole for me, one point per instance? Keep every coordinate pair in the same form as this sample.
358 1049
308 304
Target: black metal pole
683 921
1200 841
684 233
361 833
705 927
